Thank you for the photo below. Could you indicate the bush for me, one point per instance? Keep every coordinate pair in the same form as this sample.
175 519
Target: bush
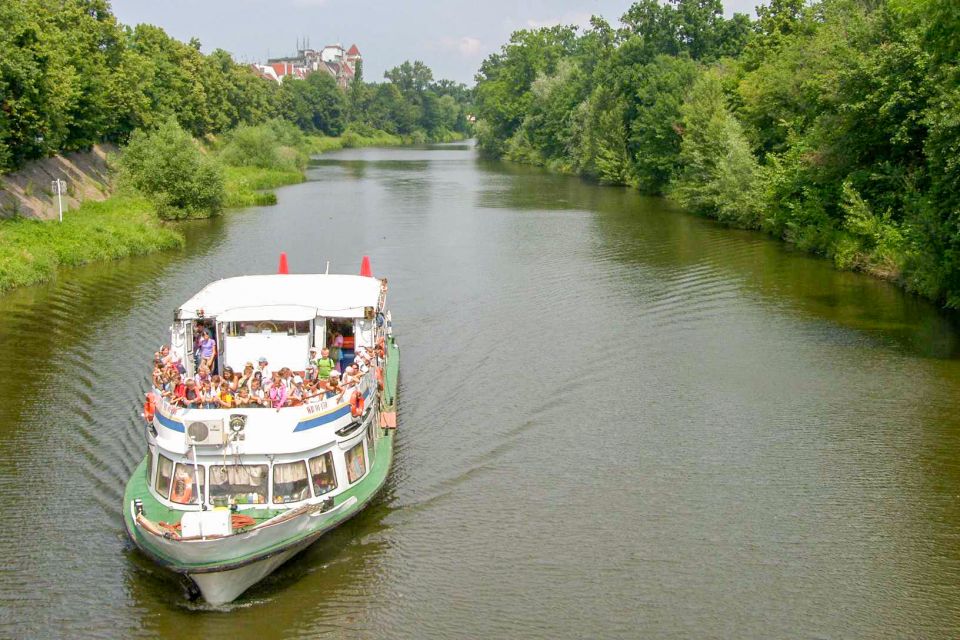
167 166
274 145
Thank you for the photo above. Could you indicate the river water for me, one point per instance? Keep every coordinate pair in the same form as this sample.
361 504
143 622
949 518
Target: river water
617 421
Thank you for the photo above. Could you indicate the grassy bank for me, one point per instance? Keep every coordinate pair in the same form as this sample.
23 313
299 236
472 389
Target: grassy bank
126 225
351 139
32 250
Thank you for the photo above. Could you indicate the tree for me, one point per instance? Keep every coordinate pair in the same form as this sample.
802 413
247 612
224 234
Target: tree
166 166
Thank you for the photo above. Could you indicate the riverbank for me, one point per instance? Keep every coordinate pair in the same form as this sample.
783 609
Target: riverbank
121 226
125 225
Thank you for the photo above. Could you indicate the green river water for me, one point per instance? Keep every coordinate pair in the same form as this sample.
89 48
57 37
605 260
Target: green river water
616 420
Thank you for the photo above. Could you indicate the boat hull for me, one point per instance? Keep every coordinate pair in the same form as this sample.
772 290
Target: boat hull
225 567
222 587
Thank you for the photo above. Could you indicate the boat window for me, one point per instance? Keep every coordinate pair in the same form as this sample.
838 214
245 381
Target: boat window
248 327
241 484
290 482
324 477
164 474
356 464
185 489
150 454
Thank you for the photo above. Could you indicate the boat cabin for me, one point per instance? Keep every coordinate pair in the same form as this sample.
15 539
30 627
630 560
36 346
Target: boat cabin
278 317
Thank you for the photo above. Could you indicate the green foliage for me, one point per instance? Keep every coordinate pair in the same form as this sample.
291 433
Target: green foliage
831 124
167 166
720 176
276 144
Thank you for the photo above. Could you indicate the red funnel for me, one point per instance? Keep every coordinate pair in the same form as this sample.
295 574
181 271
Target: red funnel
365 267
283 263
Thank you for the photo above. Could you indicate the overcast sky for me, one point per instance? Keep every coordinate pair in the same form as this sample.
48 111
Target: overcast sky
451 36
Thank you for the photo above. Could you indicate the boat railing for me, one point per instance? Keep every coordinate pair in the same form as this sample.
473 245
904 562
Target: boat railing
367 387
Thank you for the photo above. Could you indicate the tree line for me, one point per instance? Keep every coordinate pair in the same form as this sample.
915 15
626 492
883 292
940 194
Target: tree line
833 124
72 76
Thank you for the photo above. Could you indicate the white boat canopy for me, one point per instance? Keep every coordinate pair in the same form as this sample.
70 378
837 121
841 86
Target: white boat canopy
292 297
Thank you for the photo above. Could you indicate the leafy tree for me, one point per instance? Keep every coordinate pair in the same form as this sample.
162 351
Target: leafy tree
719 174
167 166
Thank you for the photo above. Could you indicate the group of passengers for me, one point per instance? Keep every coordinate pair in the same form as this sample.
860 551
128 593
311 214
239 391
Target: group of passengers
257 386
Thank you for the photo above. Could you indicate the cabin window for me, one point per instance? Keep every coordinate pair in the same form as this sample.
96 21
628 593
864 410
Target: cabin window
275 327
185 488
290 482
241 484
322 473
164 474
371 436
149 466
356 463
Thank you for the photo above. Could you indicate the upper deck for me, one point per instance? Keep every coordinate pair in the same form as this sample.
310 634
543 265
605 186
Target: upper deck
284 297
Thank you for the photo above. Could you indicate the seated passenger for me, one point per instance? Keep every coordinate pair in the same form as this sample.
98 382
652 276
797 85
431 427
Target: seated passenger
208 399
333 384
230 379
258 397
243 397
296 396
226 400
246 377
203 374
277 391
191 396
351 376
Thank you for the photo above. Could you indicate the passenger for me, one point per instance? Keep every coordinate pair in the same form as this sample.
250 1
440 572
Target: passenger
325 364
296 395
258 397
208 398
263 368
178 396
230 379
243 397
333 384
208 350
310 375
247 376
158 376
203 374
351 376
277 391
336 349
191 396
363 359
286 375
226 400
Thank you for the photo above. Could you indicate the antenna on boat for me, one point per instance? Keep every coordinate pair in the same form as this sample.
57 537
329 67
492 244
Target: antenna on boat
328 267
283 263
365 267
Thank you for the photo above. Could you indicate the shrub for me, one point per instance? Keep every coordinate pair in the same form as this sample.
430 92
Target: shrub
274 145
167 166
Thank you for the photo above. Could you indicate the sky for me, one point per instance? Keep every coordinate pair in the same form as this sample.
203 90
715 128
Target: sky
451 36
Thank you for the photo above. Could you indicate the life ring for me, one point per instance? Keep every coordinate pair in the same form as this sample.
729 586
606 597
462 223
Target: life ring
149 409
356 404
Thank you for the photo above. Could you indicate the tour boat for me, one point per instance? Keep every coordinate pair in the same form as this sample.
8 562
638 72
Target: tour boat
226 495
